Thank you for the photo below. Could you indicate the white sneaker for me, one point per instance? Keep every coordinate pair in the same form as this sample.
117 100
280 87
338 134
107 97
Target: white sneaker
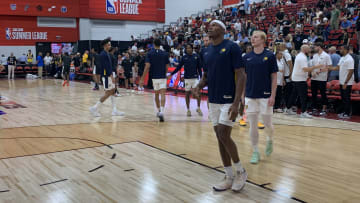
199 112
239 181
290 112
118 95
226 184
305 115
117 113
94 111
279 111
188 113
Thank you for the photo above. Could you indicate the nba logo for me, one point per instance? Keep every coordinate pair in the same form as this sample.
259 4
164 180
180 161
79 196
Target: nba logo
8 33
112 6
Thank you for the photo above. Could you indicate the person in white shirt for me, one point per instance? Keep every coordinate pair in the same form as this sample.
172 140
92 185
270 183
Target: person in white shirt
280 82
288 69
319 77
47 63
299 77
346 78
134 48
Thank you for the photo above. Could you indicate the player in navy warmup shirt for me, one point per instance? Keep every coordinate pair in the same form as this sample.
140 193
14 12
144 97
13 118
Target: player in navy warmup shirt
223 62
158 61
261 83
106 70
192 68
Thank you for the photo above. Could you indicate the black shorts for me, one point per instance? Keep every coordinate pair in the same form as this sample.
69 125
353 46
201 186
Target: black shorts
128 74
66 69
97 70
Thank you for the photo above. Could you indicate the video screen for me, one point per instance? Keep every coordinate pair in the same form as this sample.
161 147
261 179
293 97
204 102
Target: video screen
57 48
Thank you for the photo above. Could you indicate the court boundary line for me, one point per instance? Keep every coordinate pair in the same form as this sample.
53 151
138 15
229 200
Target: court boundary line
174 121
68 150
217 170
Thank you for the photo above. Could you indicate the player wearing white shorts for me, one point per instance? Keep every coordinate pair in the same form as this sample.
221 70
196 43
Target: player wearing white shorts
108 80
192 68
158 61
223 62
261 84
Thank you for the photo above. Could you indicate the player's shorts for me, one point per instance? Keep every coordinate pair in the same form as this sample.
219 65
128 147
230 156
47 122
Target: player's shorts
128 74
190 83
258 106
66 69
219 114
108 84
159 84
96 71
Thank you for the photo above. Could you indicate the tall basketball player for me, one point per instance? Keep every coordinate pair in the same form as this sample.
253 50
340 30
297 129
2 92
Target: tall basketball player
108 80
223 63
192 69
158 61
261 84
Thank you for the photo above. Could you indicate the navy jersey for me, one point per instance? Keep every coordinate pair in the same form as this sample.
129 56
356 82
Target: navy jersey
158 60
192 66
259 68
221 62
106 64
203 52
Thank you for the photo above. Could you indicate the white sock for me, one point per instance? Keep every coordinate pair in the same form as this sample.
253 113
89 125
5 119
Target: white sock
97 104
238 167
269 128
229 171
162 109
254 132
113 102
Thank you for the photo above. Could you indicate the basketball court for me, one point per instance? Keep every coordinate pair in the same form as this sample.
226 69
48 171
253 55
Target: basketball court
53 150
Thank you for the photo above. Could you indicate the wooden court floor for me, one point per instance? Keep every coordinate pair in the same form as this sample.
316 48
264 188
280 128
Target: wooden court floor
52 150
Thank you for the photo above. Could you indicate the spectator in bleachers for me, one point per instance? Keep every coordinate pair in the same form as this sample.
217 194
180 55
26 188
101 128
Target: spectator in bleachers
22 59
280 16
350 4
11 61
312 38
345 23
335 15
298 38
286 24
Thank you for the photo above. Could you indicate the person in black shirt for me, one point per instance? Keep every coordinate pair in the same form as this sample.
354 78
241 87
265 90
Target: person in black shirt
96 68
298 39
66 64
280 16
77 60
286 25
140 63
11 65
127 64
192 68
108 80
158 61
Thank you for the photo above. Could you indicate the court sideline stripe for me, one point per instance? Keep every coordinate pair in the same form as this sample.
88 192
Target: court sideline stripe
264 187
90 147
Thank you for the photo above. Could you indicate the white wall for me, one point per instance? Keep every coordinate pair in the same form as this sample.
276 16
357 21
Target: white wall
17 50
185 8
91 29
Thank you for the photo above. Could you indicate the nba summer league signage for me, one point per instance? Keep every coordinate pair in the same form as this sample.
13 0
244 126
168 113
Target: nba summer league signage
129 7
20 34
